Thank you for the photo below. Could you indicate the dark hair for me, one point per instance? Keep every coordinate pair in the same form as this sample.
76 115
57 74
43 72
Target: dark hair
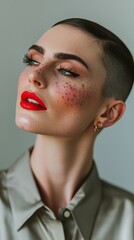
116 57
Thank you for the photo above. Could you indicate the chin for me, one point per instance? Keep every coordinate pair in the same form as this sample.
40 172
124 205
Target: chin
23 122
22 125
27 124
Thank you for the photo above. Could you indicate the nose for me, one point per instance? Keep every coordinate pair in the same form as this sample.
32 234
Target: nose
37 78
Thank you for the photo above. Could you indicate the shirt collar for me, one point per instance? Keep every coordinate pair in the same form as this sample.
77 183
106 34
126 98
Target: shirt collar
85 203
25 198
22 190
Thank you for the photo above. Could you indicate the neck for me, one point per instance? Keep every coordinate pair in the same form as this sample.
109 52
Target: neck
60 166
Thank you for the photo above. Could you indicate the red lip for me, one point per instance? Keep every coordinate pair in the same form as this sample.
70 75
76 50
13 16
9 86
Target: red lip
31 105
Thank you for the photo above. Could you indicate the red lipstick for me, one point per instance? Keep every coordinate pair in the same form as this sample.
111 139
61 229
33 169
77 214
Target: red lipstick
31 101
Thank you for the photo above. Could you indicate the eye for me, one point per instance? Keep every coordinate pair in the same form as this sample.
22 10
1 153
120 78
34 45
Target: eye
68 72
29 61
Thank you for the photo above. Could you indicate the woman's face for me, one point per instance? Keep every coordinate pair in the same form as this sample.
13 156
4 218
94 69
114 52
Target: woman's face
60 90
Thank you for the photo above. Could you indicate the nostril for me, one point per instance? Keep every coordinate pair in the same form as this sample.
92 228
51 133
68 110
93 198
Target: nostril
37 82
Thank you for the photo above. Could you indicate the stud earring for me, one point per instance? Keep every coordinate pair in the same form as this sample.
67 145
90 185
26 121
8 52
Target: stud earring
98 127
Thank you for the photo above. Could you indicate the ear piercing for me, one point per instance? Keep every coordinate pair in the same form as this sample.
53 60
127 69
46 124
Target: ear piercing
98 127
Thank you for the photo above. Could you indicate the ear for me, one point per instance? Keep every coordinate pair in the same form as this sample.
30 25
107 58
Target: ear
111 114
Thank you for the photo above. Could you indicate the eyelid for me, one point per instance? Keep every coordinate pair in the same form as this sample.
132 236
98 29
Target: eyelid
35 56
30 61
71 72
68 66
75 67
32 52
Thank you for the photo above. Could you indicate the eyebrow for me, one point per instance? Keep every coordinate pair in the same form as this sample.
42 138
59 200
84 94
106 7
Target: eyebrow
59 55
37 48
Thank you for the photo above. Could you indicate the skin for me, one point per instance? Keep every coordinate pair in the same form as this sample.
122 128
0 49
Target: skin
62 155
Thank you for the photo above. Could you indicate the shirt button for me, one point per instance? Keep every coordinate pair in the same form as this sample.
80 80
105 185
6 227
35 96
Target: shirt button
66 213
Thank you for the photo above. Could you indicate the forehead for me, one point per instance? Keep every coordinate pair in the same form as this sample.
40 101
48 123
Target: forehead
65 38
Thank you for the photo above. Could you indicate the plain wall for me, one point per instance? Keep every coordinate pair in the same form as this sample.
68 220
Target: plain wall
21 24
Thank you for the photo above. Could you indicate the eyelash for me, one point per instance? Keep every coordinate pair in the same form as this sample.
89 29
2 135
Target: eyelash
29 61
68 72
63 70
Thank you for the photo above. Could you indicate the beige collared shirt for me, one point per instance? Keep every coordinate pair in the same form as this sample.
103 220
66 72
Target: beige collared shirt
98 211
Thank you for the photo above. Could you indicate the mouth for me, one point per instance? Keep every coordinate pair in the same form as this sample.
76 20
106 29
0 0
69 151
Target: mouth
31 101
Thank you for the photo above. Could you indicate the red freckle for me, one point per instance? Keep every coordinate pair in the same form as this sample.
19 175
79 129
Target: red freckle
40 69
73 95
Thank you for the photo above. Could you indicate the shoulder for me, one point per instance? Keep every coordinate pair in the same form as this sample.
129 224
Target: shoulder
117 201
3 183
113 193
6 219
4 202
115 216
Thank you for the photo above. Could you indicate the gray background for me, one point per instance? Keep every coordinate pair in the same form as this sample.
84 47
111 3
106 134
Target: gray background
21 24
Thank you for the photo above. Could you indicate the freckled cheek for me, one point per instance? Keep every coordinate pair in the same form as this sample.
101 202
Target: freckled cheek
73 95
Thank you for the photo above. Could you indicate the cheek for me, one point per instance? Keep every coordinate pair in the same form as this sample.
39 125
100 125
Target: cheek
73 95
22 79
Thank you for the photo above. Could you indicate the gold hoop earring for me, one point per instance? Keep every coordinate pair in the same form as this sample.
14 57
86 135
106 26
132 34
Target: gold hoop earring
98 127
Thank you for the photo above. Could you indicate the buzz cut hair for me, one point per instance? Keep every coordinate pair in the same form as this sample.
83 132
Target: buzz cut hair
116 57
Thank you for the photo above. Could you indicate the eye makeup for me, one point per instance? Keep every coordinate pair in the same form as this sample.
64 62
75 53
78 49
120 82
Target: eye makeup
29 61
68 71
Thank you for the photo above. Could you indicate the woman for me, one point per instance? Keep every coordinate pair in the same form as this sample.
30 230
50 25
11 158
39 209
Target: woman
77 79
